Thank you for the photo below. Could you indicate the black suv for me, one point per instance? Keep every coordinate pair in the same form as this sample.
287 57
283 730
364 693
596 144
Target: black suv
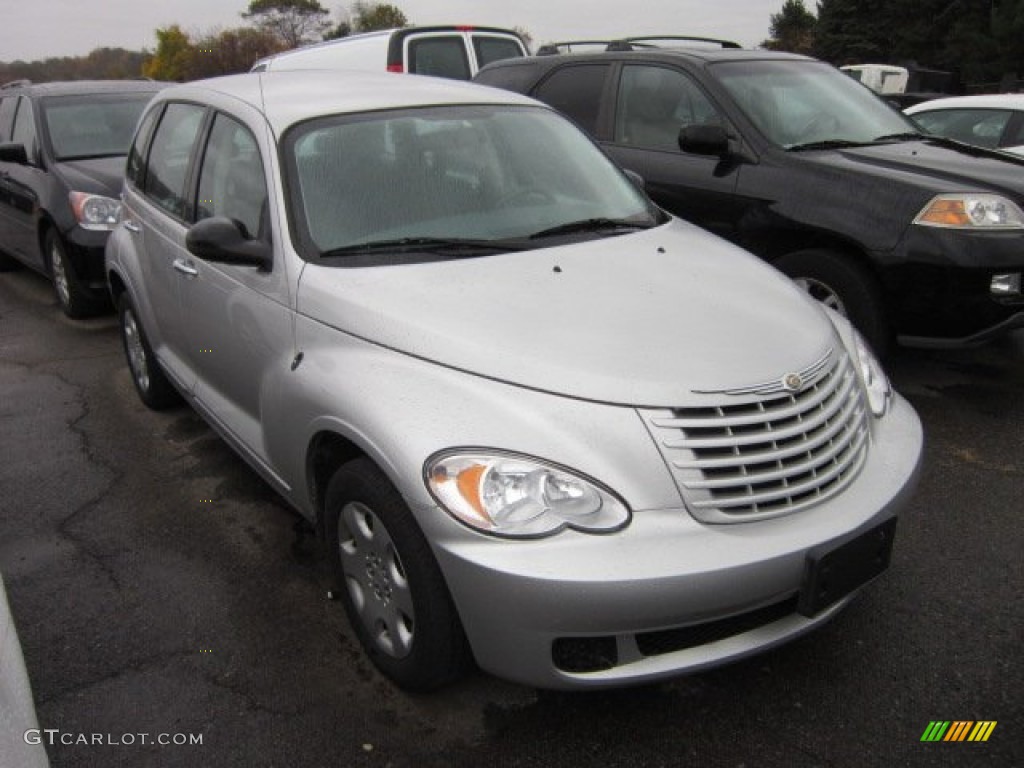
62 156
906 234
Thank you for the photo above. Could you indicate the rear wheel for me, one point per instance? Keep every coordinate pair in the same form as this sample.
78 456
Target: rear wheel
391 585
72 296
844 285
154 389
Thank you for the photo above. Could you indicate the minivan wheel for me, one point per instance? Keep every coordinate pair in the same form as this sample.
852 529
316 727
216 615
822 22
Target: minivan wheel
844 285
74 300
391 585
150 381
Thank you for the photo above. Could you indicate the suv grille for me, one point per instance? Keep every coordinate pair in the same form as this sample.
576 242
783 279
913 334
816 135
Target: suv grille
772 452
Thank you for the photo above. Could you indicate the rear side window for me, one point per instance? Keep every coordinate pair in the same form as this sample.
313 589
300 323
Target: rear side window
439 56
7 117
654 103
489 49
169 157
136 160
576 92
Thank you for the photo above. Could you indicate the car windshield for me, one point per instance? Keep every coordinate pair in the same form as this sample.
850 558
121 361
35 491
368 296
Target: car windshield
92 125
453 178
798 104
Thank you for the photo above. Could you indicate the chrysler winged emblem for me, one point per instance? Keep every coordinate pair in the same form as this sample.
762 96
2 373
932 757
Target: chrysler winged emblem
792 382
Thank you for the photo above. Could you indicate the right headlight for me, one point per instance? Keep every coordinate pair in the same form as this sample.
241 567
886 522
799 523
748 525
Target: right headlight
971 211
876 383
519 496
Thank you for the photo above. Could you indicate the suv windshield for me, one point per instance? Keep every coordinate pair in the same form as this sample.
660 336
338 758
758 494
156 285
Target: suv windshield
92 125
797 103
430 178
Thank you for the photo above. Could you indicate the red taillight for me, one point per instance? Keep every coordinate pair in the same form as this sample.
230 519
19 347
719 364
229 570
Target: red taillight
395 68
464 28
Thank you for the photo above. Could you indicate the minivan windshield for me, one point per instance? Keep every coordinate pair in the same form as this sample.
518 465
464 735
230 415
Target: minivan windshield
810 104
453 179
92 125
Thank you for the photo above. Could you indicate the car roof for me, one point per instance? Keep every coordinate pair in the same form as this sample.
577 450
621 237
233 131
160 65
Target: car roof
983 101
667 54
75 87
289 97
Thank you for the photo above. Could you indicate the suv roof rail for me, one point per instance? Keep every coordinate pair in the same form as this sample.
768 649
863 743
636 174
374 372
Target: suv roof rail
16 83
630 43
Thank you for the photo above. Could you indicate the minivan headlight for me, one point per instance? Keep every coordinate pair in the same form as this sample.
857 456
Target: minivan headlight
876 383
519 496
971 211
95 212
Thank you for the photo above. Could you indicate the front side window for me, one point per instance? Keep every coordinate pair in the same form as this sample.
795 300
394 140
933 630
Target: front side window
460 173
231 181
806 103
7 107
24 131
983 127
576 91
439 56
169 157
655 103
92 125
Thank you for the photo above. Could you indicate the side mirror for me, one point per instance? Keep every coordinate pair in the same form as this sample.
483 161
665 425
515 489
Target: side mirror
708 139
222 240
13 153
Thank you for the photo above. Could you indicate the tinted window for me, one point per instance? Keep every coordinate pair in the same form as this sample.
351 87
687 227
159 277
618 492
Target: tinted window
439 56
231 182
136 161
93 125
25 128
1016 136
7 116
169 156
490 49
576 91
654 103
982 127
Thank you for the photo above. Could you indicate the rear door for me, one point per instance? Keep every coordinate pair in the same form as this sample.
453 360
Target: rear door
458 53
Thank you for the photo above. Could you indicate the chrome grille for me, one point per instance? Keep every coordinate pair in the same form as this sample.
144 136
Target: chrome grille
751 456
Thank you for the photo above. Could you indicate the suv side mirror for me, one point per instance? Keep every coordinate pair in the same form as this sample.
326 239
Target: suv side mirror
223 240
13 153
708 139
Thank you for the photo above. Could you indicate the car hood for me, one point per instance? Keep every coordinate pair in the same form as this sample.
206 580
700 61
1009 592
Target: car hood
638 319
933 166
99 175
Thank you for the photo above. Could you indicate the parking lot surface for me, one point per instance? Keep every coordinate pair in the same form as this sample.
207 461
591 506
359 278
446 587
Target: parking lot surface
161 590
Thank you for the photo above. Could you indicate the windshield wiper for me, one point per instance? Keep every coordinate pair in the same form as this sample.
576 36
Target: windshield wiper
905 136
590 225
424 244
827 144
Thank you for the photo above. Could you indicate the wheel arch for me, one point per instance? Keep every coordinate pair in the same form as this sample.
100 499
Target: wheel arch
326 453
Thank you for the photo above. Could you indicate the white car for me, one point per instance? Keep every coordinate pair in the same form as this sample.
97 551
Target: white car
20 745
995 121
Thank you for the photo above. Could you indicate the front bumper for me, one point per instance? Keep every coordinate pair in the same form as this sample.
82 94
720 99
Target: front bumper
85 249
532 610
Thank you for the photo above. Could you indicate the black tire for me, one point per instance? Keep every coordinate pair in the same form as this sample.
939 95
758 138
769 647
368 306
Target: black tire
843 284
154 389
391 585
74 299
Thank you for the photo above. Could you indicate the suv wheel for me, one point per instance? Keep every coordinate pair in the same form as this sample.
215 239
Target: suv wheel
72 297
392 588
843 285
150 381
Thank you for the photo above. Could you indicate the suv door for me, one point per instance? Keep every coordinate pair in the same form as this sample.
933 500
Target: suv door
652 104
23 184
236 319
156 202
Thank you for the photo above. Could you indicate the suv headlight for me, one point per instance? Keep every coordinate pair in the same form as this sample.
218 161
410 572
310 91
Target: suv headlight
95 211
518 496
876 383
971 211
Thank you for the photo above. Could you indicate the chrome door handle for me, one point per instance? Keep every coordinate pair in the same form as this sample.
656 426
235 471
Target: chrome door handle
185 268
131 226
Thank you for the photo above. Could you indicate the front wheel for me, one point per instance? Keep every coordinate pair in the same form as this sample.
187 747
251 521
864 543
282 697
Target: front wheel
842 284
74 299
392 588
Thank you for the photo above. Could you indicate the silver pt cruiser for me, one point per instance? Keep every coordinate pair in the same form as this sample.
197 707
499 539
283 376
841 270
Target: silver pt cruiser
540 424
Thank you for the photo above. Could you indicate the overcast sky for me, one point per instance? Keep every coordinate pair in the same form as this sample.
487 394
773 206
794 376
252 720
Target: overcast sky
37 29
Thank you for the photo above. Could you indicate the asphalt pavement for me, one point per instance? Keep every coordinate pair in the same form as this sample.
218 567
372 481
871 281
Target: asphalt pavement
163 593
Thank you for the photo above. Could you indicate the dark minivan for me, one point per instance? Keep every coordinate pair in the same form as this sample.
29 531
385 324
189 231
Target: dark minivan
908 235
62 156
